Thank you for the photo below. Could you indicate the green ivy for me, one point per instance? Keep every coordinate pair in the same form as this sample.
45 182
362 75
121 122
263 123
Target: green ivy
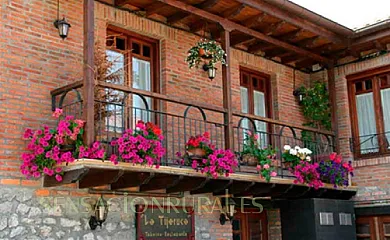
316 107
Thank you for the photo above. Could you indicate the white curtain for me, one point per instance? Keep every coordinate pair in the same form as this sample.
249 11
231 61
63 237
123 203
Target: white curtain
141 80
385 97
244 106
366 123
259 110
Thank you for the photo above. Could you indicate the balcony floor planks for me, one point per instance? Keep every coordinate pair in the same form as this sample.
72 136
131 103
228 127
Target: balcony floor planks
176 179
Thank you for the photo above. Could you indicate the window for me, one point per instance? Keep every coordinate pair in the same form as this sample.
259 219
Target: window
137 56
369 95
255 95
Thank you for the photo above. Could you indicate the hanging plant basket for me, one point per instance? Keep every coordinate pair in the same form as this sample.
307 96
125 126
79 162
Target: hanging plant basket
205 49
196 153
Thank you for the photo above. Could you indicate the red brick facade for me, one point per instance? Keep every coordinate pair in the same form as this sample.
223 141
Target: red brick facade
34 61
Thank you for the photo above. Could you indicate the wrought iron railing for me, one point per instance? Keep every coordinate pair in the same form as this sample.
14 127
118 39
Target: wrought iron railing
179 119
371 145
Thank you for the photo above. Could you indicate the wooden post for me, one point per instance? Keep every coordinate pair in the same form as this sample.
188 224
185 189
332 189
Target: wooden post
333 106
88 74
227 93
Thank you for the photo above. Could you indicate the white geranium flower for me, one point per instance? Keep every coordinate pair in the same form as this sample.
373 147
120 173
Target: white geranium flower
293 152
302 151
308 158
308 152
287 147
297 148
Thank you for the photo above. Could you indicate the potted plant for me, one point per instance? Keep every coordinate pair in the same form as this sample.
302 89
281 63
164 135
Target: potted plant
69 132
140 146
205 49
335 171
199 146
49 148
293 156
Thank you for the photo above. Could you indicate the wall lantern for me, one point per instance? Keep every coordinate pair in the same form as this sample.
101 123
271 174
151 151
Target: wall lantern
100 211
299 94
61 24
211 70
228 206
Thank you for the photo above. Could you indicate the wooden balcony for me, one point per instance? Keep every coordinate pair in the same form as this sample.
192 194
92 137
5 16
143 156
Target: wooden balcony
179 119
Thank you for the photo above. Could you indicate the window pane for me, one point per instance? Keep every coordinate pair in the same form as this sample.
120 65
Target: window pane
368 84
146 51
359 86
366 123
385 96
112 111
244 100
115 72
259 110
120 44
136 48
244 106
141 80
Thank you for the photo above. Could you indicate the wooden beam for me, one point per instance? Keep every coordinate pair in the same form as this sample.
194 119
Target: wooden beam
290 58
177 17
132 179
290 36
273 28
197 26
213 186
234 26
187 184
369 38
307 42
263 6
380 46
234 11
274 53
69 177
258 46
240 39
88 73
227 91
304 63
252 21
154 8
99 178
333 102
160 182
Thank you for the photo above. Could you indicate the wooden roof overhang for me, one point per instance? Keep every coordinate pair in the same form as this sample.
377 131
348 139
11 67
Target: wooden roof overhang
276 29
170 179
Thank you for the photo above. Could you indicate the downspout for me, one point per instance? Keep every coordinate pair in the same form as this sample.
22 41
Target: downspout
306 14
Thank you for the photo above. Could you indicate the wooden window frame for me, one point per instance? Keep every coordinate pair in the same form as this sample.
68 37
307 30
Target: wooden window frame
154 45
266 89
373 75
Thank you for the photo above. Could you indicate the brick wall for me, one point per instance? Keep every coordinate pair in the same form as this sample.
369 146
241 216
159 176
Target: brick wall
370 174
34 60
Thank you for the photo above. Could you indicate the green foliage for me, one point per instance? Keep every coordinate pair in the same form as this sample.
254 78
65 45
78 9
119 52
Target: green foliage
212 51
264 156
316 107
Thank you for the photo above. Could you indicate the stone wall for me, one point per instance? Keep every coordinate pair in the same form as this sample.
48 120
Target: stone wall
27 213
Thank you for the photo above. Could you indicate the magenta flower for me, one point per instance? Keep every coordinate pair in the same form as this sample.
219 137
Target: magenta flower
57 113
58 178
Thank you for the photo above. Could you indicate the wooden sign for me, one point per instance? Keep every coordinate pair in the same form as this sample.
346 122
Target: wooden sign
162 223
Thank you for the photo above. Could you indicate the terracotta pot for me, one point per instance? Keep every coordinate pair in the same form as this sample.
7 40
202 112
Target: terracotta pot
202 52
250 160
196 153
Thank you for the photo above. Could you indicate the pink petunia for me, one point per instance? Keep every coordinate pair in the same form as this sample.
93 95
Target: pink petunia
57 113
58 178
